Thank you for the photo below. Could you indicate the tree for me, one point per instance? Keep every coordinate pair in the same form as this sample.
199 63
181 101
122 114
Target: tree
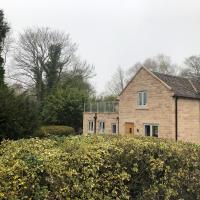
42 55
64 107
53 67
160 63
35 52
18 115
192 68
3 30
117 83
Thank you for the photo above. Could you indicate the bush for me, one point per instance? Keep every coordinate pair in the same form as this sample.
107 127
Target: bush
46 131
18 115
99 168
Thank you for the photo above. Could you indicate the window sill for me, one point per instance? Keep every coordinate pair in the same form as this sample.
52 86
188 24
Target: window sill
142 108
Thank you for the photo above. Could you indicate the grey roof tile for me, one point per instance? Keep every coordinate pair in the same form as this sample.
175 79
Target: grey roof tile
182 87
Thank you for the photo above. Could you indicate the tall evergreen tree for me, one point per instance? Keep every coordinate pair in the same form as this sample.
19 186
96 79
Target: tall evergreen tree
3 30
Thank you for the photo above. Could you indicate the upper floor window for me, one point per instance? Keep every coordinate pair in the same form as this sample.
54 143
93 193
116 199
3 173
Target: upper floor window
142 98
101 127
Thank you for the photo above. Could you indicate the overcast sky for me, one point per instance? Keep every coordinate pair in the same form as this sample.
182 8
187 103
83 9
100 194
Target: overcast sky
113 33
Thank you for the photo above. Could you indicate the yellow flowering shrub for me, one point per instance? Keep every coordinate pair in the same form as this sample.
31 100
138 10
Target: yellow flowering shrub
97 167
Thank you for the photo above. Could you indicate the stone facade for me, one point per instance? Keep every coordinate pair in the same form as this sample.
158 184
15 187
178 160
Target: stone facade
160 108
189 120
107 118
159 111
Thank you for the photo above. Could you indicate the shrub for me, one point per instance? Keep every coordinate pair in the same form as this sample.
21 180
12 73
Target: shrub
99 168
46 131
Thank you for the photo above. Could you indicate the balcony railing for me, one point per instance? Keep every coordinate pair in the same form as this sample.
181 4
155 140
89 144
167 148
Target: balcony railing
102 106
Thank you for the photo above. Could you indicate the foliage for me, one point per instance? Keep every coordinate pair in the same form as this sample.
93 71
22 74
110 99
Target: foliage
64 107
99 168
53 67
46 131
3 30
18 115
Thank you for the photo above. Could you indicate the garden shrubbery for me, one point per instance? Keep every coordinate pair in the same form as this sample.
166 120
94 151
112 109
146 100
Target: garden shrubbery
56 130
99 168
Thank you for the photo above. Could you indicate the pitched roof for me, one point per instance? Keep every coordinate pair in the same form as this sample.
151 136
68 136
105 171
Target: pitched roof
182 87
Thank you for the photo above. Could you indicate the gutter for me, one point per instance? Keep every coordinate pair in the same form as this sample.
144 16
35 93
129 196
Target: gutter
118 125
176 118
95 123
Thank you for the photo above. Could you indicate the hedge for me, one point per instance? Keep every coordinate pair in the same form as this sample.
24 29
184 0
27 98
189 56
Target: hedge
99 168
54 130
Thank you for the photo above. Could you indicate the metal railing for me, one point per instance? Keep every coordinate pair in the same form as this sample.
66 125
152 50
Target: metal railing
102 106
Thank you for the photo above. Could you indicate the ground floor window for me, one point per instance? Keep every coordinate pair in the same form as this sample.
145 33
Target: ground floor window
91 126
101 127
114 128
151 130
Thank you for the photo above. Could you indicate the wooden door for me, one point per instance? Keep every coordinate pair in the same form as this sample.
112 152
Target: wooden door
129 128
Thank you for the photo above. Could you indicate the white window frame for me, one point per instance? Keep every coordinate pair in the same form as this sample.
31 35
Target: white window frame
112 124
91 126
101 126
151 129
143 103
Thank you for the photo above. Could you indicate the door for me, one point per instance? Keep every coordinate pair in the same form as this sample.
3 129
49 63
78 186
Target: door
129 128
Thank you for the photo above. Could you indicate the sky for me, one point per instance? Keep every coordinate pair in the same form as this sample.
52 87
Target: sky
112 33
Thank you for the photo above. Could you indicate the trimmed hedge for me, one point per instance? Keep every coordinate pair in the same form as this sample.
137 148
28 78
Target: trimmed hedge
99 168
56 130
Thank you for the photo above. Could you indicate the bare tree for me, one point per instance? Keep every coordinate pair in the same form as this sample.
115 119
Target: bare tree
32 55
160 63
117 83
192 68
7 47
82 68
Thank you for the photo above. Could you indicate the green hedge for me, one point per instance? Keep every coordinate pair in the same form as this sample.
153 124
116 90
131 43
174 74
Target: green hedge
46 131
99 168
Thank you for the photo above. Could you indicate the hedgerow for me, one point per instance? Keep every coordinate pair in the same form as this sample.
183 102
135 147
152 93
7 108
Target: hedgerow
54 130
97 167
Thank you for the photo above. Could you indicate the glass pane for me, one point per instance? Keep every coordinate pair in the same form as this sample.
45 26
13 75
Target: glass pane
140 98
114 128
147 130
155 131
144 98
101 127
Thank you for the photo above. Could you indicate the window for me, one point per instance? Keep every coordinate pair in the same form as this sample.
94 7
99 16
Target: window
114 128
151 130
101 127
91 126
142 98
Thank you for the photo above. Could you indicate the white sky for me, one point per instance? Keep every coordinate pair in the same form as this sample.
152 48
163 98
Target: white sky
115 32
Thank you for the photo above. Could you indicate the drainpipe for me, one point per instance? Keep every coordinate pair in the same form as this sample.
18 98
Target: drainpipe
95 123
176 118
118 125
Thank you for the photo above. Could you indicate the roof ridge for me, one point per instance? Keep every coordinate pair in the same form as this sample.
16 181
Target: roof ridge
175 76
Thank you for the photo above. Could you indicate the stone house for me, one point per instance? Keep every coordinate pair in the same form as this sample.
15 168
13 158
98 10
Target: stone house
152 104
